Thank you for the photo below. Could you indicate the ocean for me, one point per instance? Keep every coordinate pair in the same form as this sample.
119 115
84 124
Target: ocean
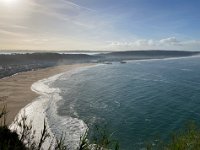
139 101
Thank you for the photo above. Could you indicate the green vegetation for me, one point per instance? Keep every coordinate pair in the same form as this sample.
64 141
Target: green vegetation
23 138
187 139
8 139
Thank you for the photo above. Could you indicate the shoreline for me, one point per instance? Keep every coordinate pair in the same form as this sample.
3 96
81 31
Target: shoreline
46 106
16 92
68 71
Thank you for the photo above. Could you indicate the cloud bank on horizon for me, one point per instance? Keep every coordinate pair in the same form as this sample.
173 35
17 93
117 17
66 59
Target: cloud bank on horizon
99 24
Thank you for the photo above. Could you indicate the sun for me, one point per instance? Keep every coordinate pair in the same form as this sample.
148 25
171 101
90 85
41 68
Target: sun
10 1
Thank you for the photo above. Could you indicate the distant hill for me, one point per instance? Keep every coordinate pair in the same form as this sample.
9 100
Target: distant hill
14 63
148 54
81 58
42 57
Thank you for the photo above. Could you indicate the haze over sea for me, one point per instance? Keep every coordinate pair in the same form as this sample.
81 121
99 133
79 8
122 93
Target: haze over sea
138 101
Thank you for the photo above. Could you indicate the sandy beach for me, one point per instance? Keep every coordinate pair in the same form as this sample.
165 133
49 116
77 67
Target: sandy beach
15 91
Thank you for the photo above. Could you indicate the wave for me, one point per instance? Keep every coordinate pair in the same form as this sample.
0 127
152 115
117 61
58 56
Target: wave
45 107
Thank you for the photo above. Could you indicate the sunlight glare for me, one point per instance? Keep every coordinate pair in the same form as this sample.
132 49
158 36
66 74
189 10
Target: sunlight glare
10 1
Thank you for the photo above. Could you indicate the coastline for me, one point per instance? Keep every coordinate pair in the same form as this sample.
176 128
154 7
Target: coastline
17 92
49 75
16 89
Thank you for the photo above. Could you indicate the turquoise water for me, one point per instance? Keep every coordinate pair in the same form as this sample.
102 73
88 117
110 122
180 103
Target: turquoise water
138 101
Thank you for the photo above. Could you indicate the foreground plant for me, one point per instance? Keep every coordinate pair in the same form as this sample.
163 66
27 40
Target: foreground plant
185 139
9 140
188 139
23 137
103 139
100 140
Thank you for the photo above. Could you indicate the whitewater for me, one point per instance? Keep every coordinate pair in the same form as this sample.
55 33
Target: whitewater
44 108
137 100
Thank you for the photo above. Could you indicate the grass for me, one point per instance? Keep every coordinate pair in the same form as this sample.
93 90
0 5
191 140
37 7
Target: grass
187 138
23 138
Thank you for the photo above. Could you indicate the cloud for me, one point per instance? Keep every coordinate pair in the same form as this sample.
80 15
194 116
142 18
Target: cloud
63 10
67 24
170 43
10 34
135 44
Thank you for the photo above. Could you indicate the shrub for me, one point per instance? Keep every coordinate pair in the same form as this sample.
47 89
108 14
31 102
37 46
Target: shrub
23 138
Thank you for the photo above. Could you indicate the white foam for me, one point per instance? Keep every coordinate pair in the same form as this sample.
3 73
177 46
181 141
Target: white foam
45 107
35 111
185 69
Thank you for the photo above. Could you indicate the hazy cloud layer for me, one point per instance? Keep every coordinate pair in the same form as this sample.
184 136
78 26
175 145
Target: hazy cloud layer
170 43
90 25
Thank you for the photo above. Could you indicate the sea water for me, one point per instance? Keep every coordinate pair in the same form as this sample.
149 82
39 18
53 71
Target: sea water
139 101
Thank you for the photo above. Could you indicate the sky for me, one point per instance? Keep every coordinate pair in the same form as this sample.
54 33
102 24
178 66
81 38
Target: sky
100 25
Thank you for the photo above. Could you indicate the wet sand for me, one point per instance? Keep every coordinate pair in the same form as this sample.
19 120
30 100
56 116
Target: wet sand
16 93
